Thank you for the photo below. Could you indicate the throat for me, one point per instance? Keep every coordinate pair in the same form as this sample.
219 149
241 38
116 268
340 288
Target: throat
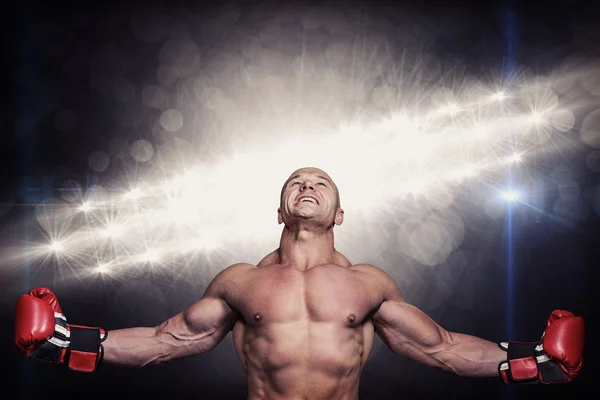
306 249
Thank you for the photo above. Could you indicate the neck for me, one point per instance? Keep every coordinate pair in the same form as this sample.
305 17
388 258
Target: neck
305 248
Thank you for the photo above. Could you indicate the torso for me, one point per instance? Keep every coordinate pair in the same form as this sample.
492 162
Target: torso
303 335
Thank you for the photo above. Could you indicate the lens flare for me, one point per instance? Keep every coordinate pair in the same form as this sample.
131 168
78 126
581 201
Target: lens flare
411 147
510 195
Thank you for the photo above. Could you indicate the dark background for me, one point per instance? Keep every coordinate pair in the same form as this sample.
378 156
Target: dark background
554 262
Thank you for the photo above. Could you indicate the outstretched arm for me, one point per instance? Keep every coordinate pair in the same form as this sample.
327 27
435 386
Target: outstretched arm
409 332
196 330
556 358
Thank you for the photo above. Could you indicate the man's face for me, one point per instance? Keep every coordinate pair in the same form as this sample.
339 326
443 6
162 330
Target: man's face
310 194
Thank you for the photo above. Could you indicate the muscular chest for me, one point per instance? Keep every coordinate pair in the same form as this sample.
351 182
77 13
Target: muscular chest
323 294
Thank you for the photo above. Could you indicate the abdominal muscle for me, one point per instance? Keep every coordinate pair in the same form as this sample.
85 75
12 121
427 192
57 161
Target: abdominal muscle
303 359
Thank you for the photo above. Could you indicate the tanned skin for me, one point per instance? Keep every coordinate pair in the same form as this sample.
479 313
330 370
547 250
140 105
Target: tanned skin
304 318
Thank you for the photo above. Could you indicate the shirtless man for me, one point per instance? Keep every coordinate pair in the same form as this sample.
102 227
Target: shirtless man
303 319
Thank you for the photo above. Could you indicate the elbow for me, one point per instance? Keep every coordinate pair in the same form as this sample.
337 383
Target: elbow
444 360
459 356
164 347
442 353
209 340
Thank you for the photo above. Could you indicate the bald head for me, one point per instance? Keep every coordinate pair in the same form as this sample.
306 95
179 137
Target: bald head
309 172
324 212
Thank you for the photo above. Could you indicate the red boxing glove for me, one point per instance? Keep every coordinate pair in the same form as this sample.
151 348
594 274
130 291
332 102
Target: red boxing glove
556 358
42 332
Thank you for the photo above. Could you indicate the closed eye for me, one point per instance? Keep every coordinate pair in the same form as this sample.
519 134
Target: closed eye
322 184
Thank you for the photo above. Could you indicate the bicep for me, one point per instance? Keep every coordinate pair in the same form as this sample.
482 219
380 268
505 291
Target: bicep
203 324
407 330
208 315
212 312
197 329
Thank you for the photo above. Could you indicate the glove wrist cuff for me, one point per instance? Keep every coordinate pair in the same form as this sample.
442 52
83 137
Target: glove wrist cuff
521 365
85 348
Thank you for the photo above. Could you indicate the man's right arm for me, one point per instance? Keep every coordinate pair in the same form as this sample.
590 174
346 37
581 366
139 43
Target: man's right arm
196 330
42 331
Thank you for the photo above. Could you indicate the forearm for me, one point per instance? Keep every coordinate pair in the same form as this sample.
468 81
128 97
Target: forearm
135 347
468 355
138 347
198 329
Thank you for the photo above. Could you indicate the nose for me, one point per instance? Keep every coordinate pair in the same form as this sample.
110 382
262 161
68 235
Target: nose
308 185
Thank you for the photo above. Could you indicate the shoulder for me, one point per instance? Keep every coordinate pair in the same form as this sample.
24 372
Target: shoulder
234 271
341 259
269 259
381 279
228 277
372 271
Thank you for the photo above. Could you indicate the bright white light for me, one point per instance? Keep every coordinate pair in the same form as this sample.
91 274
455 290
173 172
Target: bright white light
103 268
194 205
515 158
134 194
479 132
415 186
536 117
399 122
470 171
207 243
499 96
187 178
510 195
450 109
56 247
181 210
111 231
200 243
151 255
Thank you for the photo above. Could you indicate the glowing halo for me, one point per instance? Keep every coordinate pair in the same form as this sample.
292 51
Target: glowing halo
227 138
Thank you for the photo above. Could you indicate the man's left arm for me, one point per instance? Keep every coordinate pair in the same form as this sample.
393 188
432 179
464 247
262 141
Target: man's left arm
409 332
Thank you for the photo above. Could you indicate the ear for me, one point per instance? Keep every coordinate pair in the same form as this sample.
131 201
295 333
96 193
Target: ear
339 217
279 218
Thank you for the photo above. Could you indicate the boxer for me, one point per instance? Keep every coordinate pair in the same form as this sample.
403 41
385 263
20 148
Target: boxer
302 320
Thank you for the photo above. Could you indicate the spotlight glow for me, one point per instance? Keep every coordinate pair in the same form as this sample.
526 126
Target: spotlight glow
103 268
510 195
450 109
133 194
56 247
499 96
151 255
111 231
515 158
209 182
537 118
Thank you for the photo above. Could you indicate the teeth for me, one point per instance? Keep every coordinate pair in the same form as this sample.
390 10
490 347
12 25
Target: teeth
308 199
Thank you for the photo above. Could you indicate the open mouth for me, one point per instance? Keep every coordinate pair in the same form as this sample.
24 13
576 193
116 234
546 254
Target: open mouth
306 199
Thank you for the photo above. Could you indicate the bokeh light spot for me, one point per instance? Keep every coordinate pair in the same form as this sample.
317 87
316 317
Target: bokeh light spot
98 161
141 150
171 120
590 129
